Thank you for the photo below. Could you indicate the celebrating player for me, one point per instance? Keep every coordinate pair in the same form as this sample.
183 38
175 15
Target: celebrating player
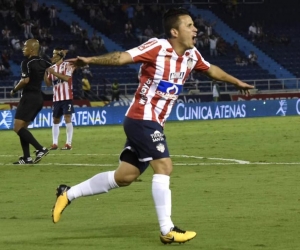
166 64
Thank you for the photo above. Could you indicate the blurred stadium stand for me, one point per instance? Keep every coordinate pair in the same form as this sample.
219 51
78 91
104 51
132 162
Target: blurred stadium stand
274 62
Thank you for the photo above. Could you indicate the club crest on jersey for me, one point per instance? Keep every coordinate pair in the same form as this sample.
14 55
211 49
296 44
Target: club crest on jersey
190 63
168 90
161 147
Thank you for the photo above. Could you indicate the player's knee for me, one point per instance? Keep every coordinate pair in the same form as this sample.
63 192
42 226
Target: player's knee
124 179
16 129
127 172
162 166
56 120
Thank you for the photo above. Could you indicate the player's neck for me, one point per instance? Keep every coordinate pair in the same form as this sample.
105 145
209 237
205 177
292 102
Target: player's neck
177 47
59 62
35 54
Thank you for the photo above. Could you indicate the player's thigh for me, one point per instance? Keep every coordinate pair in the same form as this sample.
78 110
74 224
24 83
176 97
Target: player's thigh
61 108
68 108
146 138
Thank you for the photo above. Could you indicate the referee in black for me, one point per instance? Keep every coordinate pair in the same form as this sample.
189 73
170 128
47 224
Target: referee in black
31 102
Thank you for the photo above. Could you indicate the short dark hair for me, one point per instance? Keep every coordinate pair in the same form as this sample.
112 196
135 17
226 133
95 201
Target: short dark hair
171 19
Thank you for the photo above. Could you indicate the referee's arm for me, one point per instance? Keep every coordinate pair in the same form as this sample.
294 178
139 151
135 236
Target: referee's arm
21 84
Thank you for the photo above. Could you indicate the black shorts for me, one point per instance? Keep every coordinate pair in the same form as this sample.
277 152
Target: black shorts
29 106
62 108
146 139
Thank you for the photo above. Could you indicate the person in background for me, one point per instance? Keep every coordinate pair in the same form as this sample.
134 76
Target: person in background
86 87
115 91
165 67
59 76
33 70
216 91
252 58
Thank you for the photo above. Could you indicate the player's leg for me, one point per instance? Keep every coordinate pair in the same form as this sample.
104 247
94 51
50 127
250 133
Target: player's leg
28 108
55 133
123 176
68 110
163 203
26 158
161 192
56 115
69 131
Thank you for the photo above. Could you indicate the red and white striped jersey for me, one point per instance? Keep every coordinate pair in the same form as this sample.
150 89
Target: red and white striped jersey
161 78
62 90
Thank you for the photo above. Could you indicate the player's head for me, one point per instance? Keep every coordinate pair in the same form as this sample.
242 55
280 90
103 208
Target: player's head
31 48
58 55
179 25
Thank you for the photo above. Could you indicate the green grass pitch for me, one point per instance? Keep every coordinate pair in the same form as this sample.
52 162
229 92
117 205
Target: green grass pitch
235 182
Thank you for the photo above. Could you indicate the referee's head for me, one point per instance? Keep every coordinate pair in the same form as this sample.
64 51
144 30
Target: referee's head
31 48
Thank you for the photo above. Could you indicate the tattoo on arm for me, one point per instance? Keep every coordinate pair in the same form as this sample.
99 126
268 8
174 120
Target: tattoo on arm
112 58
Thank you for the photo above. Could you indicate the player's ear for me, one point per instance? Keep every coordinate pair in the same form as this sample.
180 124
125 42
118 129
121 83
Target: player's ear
174 32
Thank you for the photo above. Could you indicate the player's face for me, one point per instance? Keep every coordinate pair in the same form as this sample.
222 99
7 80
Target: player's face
187 32
56 57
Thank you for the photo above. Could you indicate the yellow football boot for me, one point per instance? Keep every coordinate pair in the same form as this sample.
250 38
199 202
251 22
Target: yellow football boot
177 235
61 202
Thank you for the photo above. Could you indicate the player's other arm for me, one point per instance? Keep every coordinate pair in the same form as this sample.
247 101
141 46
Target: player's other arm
218 74
58 75
116 58
47 80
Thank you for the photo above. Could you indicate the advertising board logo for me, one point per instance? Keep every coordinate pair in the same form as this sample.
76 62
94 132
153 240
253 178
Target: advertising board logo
6 119
283 108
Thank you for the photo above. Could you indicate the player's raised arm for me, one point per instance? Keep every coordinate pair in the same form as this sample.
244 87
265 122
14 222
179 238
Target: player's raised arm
116 58
218 74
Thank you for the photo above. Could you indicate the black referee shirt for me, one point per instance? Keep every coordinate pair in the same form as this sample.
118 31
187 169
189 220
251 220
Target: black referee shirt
34 68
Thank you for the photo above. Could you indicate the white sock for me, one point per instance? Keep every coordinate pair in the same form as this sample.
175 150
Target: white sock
69 128
162 200
98 184
55 133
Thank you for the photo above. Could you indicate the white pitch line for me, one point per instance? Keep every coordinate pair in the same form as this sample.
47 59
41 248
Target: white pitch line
227 161
174 164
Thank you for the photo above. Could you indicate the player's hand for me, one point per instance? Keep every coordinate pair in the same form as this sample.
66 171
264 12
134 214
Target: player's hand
244 88
50 70
79 61
13 92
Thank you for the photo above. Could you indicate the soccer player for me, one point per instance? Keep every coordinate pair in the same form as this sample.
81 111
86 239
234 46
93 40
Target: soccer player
59 75
33 70
166 64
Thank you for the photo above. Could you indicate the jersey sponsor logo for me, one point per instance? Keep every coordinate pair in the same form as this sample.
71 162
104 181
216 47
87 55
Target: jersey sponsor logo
147 45
176 75
144 91
168 90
